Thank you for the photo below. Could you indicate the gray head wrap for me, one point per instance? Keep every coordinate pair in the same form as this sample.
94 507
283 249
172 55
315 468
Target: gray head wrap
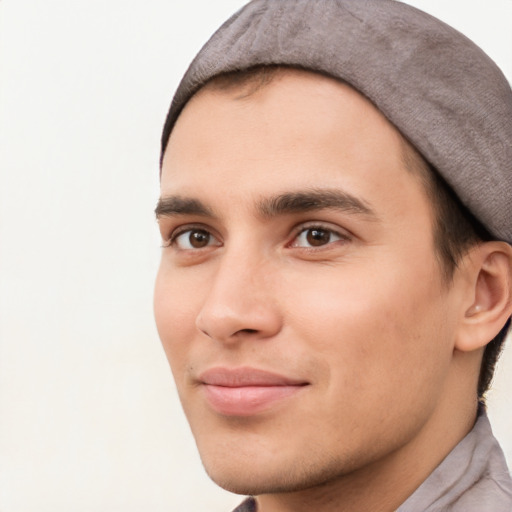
438 88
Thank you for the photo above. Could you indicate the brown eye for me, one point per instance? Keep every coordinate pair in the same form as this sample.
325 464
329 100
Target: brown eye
194 239
199 239
316 237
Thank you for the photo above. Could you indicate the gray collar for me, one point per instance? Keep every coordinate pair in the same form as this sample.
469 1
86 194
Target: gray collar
473 478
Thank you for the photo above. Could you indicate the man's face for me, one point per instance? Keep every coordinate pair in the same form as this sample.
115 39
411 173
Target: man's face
299 298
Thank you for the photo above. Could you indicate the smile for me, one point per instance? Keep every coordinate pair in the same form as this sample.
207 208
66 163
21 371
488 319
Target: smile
246 391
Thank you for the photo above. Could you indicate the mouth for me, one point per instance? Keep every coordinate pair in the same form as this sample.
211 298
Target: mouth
246 391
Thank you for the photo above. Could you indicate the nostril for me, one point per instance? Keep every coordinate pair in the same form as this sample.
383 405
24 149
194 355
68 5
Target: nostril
248 331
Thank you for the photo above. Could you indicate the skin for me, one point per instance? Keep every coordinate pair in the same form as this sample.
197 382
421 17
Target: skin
362 316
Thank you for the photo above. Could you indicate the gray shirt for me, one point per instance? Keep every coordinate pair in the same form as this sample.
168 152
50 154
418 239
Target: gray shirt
473 478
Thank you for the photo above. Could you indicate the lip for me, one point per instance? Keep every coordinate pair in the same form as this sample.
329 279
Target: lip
246 391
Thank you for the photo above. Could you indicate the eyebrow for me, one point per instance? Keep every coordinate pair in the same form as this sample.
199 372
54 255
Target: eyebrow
313 200
282 204
176 205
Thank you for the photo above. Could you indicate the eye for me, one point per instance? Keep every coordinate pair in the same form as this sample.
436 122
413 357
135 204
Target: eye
316 236
193 239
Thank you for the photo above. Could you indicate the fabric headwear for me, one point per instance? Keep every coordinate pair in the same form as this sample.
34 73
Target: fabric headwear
443 93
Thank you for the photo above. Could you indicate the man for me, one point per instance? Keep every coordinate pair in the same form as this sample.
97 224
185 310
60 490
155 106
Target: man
336 278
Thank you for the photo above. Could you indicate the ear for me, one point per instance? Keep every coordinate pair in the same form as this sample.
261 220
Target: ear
489 304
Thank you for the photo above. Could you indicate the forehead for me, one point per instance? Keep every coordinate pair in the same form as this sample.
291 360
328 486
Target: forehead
262 136
241 86
285 100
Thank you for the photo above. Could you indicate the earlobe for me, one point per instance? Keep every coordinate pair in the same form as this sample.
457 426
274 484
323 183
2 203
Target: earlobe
490 273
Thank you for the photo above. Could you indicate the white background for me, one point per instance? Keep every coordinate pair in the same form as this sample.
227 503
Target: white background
89 420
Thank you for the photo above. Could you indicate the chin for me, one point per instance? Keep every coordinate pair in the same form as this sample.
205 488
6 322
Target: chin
240 473
249 482
254 476
242 484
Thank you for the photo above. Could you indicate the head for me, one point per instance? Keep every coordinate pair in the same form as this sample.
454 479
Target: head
325 296
301 241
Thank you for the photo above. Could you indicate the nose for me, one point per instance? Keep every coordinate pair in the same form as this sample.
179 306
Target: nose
241 303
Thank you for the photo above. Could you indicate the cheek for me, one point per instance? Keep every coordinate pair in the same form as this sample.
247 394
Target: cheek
175 317
376 329
381 343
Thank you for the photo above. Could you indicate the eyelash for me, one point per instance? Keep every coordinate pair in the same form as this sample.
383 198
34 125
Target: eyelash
172 239
303 229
